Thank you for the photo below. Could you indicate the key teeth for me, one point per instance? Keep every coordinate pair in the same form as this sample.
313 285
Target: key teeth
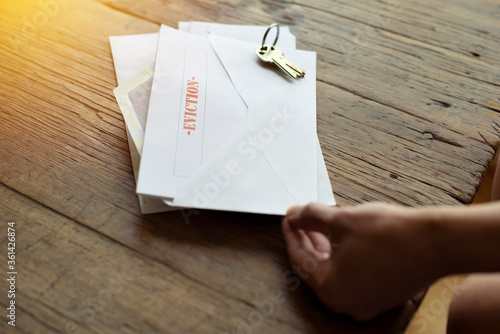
274 55
300 72
292 75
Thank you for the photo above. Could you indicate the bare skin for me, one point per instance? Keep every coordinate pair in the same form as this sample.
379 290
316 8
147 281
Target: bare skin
368 259
475 307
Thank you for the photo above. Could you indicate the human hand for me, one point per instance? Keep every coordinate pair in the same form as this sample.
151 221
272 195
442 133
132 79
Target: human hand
361 261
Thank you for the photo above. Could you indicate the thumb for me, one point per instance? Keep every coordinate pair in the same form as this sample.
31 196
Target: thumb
318 217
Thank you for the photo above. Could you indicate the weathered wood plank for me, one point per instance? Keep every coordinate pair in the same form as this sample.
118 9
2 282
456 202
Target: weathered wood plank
407 56
380 96
72 279
469 28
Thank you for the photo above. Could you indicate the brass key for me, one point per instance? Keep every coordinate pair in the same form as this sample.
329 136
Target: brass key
271 54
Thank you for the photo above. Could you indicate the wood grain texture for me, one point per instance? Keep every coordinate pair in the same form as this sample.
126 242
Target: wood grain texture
408 112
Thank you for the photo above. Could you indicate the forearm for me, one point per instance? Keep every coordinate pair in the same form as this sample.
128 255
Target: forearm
464 240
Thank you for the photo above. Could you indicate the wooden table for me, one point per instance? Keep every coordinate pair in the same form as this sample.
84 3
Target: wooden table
408 112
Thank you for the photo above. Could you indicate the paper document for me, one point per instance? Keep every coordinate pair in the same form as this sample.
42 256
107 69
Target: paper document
209 133
132 54
133 99
188 118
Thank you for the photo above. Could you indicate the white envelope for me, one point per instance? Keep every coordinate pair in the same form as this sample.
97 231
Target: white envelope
251 34
291 181
269 162
188 116
131 53
133 99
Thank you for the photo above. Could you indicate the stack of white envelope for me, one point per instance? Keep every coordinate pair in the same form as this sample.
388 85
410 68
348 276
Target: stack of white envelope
212 127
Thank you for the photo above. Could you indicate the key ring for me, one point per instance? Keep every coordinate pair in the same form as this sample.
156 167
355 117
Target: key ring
267 32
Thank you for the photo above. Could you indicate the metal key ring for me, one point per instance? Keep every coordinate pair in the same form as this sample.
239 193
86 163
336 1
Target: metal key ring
267 32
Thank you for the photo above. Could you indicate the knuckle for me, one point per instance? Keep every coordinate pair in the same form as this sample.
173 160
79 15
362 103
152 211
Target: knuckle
309 208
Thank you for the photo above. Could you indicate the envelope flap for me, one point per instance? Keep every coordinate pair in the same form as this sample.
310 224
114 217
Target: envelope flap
281 112
236 178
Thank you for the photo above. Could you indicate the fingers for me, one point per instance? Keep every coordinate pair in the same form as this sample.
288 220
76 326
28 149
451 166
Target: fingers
294 241
309 263
319 218
320 244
